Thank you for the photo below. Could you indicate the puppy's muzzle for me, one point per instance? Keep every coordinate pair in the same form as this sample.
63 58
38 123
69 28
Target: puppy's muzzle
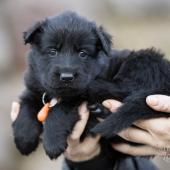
67 77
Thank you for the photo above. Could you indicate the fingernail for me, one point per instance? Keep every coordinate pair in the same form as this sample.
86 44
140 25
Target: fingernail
107 104
152 100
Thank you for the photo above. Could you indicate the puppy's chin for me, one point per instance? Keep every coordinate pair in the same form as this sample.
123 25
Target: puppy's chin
64 91
67 92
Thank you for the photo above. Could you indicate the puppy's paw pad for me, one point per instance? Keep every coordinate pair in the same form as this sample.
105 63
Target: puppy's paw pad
99 110
95 109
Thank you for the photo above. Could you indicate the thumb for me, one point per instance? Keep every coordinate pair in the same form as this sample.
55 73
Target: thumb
111 104
14 110
159 102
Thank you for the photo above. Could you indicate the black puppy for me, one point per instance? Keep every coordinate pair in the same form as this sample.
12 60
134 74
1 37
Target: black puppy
71 58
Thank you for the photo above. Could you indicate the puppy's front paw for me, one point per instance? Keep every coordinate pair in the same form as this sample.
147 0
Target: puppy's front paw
26 135
53 146
57 128
54 150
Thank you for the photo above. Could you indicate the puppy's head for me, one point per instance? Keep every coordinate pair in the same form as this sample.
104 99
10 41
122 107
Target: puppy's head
68 52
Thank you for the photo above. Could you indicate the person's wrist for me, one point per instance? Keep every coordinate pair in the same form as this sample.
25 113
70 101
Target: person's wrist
84 156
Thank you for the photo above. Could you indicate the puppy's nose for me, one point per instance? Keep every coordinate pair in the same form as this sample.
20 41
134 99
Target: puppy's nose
66 77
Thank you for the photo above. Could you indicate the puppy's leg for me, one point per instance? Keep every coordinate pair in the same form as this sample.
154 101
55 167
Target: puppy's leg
26 128
57 127
134 108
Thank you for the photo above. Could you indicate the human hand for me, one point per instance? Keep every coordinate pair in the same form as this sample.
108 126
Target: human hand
152 133
87 149
76 150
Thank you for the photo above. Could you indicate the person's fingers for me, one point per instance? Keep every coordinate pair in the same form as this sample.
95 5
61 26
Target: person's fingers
159 126
143 150
159 102
143 124
14 110
90 144
136 135
81 124
86 150
111 104
89 140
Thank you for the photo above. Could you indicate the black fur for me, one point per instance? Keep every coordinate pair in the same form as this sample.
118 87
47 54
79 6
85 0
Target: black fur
68 43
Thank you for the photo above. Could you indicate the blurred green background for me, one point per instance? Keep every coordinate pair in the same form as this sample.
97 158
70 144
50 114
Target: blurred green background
134 24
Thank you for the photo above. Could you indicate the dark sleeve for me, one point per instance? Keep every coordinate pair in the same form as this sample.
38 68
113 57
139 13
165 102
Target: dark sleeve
135 163
100 162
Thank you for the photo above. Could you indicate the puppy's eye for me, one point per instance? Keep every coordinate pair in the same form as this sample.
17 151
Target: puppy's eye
82 54
52 51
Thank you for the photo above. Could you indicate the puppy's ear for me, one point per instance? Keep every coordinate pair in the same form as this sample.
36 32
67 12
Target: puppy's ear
32 34
105 40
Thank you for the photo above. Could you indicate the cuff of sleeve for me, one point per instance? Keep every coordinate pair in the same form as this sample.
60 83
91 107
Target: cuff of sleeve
99 162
